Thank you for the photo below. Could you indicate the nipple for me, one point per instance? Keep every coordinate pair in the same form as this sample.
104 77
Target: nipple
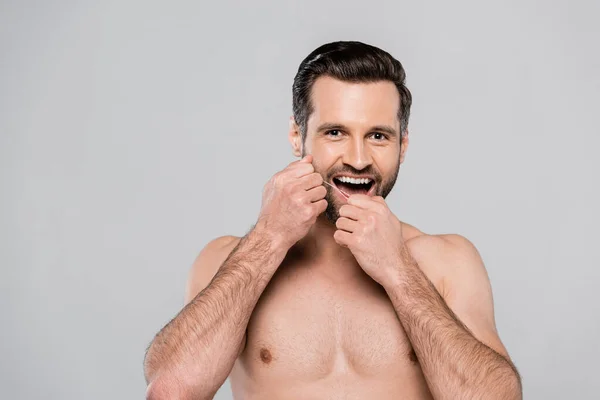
265 355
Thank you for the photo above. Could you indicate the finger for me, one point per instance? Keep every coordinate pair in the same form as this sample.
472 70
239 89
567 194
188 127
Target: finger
352 212
306 159
366 202
345 224
342 238
310 181
316 193
380 200
320 206
300 169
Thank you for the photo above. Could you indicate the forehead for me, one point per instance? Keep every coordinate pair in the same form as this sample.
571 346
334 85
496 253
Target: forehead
357 105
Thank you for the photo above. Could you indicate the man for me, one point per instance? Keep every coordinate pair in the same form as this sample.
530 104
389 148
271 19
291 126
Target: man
330 295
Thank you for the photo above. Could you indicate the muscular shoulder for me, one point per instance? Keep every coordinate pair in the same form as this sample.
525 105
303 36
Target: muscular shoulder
446 245
207 264
450 259
219 245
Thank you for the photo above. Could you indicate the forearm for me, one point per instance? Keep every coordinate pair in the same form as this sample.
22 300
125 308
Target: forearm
454 362
195 352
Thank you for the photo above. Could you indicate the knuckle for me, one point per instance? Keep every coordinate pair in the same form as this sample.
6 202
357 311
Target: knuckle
307 213
291 188
306 169
359 239
278 179
298 200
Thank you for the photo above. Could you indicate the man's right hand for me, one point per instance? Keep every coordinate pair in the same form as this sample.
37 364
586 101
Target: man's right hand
292 200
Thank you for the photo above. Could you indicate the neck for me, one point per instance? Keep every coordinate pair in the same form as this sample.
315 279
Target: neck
320 246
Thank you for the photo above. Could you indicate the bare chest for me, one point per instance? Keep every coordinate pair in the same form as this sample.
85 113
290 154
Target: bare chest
307 326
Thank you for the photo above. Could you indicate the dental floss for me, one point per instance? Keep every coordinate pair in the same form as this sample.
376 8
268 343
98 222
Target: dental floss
339 190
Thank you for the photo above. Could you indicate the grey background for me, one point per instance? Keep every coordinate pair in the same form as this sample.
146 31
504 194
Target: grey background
132 133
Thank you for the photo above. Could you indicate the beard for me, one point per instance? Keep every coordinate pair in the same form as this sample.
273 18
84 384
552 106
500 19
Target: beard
382 188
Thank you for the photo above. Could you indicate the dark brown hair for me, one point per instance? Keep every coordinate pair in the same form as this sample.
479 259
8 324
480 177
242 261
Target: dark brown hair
352 62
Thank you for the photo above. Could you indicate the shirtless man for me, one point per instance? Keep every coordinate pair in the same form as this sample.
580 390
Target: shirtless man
330 297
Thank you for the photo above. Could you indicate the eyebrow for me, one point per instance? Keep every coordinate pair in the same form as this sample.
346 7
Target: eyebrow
382 128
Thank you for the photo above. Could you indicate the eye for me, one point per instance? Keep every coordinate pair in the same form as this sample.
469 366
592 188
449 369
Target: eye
333 132
378 136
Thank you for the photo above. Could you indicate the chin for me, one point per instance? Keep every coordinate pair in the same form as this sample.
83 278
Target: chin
333 211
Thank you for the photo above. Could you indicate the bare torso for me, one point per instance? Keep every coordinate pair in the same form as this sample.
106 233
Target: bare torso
315 334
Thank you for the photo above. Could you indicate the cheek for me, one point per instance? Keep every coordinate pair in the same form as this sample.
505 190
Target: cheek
324 156
391 169
388 160
325 151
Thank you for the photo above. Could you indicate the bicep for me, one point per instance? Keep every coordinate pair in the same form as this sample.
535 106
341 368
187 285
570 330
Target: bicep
207 264
469 293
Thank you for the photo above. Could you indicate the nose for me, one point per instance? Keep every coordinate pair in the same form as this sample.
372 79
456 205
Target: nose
357 154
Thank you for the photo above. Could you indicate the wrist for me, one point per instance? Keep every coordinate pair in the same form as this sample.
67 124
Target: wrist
399 275
259 253
276 242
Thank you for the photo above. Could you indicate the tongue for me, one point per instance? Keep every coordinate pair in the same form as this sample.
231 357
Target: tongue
351 188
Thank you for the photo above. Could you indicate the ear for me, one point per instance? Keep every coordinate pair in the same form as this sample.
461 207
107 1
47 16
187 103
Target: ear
295 138
403 146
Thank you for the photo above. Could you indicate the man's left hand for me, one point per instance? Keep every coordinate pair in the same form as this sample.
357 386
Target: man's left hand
373 234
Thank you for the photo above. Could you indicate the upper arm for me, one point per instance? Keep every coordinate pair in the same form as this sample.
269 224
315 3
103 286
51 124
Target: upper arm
207 264
466 287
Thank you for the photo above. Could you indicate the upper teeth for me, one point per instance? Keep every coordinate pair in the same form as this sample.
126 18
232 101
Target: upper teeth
356 181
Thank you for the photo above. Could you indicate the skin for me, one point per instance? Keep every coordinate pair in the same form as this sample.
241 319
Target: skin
366 307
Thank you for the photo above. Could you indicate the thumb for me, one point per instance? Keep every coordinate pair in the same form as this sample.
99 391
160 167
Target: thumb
307 158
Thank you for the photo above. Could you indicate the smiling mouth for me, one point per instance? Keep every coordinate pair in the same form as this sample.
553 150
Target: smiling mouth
353 187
